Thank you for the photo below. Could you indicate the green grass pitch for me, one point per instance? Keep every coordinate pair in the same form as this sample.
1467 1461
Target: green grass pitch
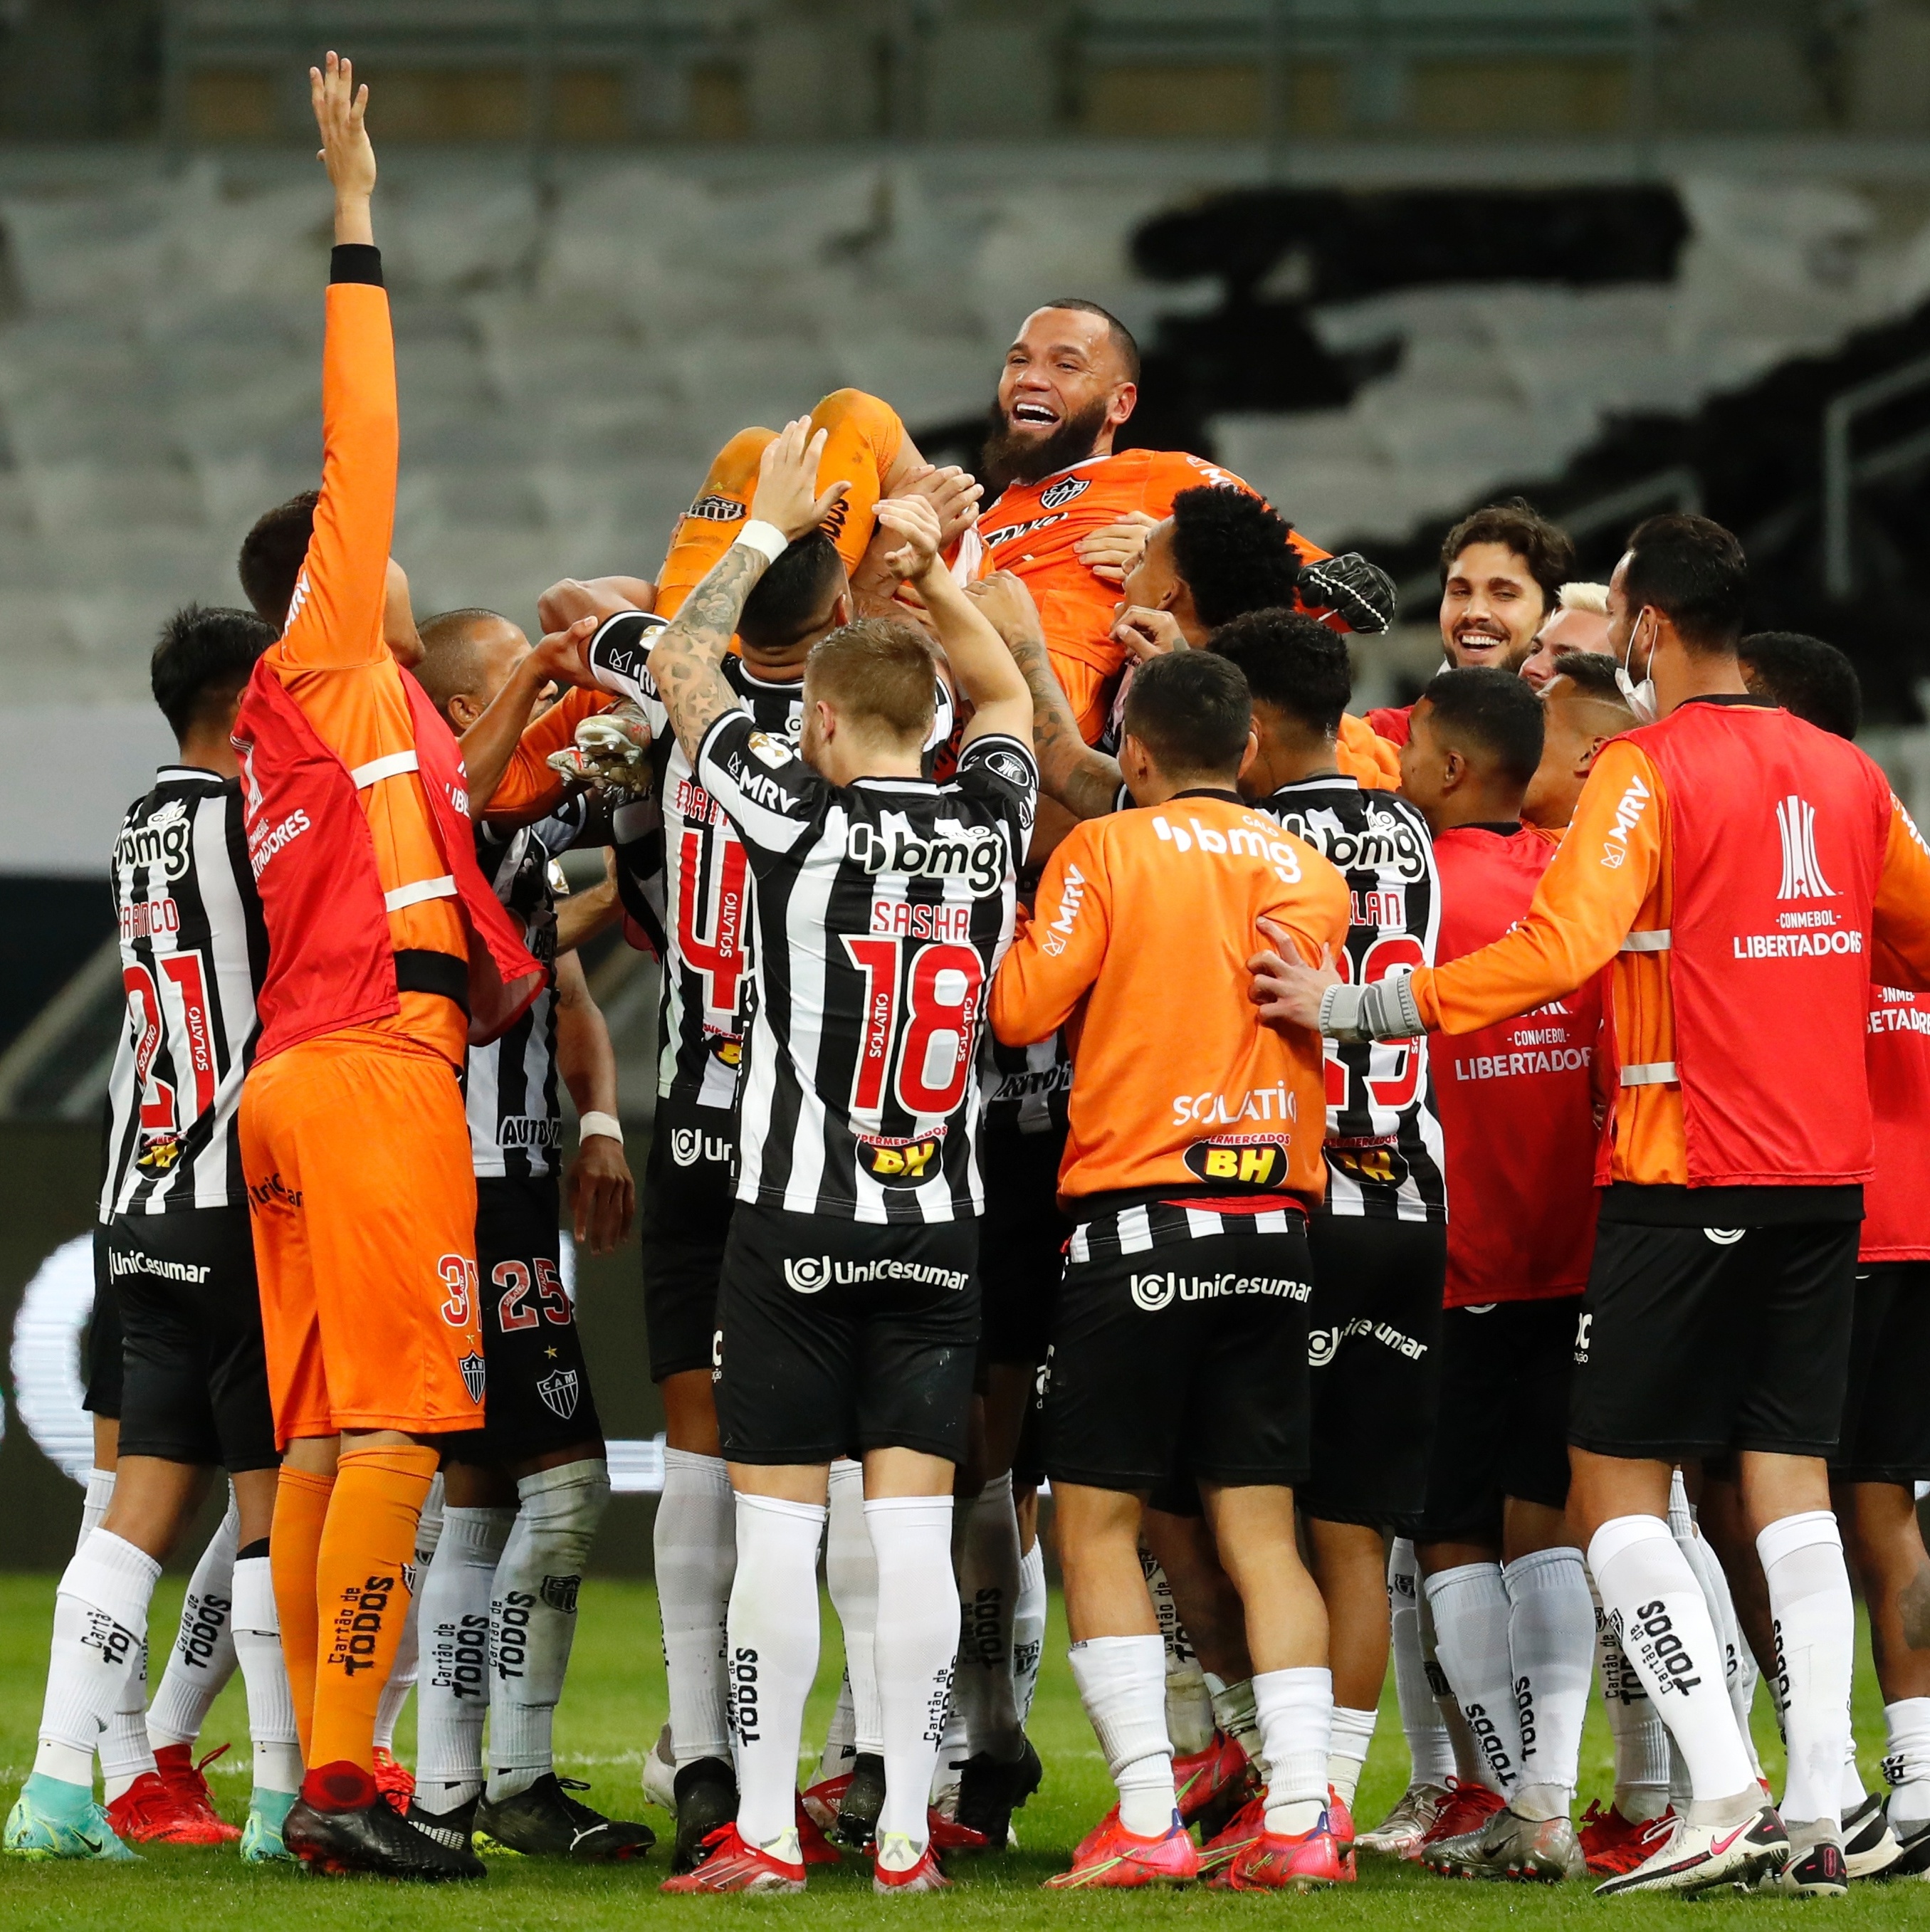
611 1712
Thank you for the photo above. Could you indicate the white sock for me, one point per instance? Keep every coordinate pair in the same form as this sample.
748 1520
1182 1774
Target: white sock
1028 1629
257 1634
1296 1718
453 1692
988 1600
1641 1738
1189 1703
1739 1676
949 1772
918 1645
1121 1682
1431 1750
202 1659
532 1615
1469 1604
850 1578
1651 1595
1854 1792
1468 1763
1551 1652
1236 1714
696 1548
774 1656
99 1640
1815 1620
429 1524
94 1505
841 1747
1347 1753
1906 1762
388 1707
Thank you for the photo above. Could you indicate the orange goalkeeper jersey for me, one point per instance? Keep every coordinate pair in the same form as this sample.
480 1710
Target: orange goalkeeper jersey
1144 921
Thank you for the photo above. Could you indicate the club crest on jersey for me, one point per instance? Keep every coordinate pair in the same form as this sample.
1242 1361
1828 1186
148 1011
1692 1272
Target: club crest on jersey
560 1392
1380 1166
1062 492
769 751
1239 1163
716 510
726 1048
900 1163
474 1371
560 1593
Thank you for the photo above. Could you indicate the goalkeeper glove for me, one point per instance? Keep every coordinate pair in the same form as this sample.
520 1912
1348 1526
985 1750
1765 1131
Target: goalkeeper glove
1361 594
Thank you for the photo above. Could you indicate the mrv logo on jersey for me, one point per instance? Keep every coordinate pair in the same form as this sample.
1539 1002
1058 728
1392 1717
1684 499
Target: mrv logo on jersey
811 1273
976 857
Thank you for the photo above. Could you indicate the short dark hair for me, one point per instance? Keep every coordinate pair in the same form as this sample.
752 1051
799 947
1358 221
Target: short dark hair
1291 662
1592 672
1232 551
1191 710
878 668
271 553
1806 675
792 597
1546 548
203 658
1123 339
452 664
1490 711
1693 571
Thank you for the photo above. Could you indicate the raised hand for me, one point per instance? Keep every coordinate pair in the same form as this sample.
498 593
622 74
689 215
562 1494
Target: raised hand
1148 634
955 493
787 493
1109 553
916 519
340 109
1008 606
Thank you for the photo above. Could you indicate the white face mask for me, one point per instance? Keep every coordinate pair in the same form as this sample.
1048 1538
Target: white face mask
1640 697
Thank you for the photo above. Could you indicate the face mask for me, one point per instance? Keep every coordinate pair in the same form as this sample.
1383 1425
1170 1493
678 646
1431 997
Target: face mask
1640 698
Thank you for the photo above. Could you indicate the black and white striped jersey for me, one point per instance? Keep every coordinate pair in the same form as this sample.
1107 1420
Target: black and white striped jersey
703 886
515 1129
1384 1158
881 910
192 951
1026 1089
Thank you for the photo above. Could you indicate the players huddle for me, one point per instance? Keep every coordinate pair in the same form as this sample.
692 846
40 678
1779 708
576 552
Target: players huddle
1444 1186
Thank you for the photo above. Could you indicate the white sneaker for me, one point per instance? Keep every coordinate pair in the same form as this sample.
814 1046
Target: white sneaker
1398 1835
1869 1846
660 1773
1702 1858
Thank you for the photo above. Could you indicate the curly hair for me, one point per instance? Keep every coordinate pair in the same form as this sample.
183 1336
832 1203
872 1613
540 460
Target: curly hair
1232 551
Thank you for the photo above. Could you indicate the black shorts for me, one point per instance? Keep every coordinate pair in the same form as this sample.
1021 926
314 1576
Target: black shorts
1021 1241
1696 1341
1173 1350
687 1204
537 1395
105 1373
1372 1344
834 1337
1503 1426
1886 1435
196 1387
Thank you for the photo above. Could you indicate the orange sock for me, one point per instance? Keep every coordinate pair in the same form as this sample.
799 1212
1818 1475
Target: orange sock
301 1508
361 1598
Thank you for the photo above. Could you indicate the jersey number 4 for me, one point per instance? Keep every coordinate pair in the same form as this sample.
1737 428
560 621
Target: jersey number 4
718 954
919 1016
1398 952
182 972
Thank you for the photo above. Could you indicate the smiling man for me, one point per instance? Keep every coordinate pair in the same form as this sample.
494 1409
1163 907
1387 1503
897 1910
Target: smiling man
1501 572
1070 381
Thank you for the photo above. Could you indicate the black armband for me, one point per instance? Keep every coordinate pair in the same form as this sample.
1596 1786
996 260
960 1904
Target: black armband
355 262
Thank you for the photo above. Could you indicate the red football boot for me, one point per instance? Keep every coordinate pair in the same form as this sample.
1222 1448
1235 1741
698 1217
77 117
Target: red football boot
1612 1845
923 1875
1222 1774
148 1813
1113 1856
1466 1807
1340 1821
394 1780
821 1801
732 1865
948 1835
178 1770
1276 1862
1246 1825
817 1849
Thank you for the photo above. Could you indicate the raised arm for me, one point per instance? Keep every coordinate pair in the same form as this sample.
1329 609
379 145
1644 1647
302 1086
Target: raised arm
1085 781
336 620
686 660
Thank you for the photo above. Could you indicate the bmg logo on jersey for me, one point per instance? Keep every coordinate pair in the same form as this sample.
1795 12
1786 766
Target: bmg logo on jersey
977 856
164 844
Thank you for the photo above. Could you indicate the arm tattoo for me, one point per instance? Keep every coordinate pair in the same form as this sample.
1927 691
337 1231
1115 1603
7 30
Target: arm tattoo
1085 781
686 662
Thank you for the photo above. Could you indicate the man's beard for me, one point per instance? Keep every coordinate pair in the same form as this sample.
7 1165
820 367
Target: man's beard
1009 458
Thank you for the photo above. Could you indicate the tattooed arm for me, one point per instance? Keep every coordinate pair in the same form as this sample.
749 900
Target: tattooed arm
1085 781
687 659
